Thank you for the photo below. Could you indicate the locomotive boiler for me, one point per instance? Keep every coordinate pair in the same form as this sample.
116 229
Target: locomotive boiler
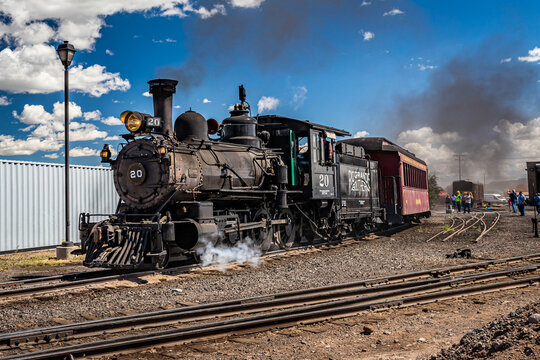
278 181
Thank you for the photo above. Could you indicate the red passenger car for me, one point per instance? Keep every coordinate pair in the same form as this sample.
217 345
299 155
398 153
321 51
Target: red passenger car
403 179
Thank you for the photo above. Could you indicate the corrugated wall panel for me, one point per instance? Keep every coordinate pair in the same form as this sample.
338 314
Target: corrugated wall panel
32 201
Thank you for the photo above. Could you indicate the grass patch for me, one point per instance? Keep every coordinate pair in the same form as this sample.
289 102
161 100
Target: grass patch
448 228
40 259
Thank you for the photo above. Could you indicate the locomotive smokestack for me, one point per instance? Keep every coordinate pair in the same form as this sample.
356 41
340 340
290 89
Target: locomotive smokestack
163 90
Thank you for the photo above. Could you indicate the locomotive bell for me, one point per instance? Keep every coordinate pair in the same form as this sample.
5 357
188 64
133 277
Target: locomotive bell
240 128
190 125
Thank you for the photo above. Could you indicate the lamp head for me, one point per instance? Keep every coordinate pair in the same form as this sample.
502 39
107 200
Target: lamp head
65 52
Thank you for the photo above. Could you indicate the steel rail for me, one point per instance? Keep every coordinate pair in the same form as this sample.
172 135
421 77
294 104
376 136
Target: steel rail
292 297
478 219
275 319
450 227
486 230
82 282
462 226
255 304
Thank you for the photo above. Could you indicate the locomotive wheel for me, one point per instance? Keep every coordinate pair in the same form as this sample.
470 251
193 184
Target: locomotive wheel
287 233
262 237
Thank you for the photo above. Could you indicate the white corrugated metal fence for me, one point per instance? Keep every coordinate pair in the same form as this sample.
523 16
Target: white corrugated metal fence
32 201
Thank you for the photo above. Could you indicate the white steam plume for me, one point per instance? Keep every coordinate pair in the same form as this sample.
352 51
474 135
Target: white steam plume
220 255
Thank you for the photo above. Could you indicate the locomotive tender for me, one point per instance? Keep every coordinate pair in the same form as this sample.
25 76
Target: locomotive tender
279 181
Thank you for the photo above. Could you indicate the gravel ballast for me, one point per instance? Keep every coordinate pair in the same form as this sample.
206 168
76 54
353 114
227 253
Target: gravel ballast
403 252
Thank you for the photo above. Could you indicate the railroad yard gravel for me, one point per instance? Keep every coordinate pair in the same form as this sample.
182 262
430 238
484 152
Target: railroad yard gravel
511 337
376 256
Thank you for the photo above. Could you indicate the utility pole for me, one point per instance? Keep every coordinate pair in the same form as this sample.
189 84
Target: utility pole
459 157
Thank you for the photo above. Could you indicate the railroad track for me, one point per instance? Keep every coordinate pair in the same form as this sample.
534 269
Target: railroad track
486 228
280 310
47 284
464 224
74 280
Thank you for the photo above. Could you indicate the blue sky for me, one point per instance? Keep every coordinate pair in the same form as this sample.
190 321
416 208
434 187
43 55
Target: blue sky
354 64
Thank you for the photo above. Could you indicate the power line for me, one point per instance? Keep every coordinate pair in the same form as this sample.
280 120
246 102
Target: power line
459 157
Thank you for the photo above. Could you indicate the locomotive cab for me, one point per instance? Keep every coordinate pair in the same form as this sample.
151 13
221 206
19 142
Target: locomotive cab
308 153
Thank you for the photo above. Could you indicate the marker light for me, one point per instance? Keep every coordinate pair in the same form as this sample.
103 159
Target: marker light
105 154
162 149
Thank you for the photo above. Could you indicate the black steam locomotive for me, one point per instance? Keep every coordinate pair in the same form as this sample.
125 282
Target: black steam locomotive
279 181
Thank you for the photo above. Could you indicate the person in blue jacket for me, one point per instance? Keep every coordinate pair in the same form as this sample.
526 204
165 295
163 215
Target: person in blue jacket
513 200
537 203
521 202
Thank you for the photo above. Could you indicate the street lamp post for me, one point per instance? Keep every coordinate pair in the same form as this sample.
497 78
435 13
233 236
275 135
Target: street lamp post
65 52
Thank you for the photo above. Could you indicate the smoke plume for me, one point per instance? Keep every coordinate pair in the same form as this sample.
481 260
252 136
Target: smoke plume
278 37
220 255
470 106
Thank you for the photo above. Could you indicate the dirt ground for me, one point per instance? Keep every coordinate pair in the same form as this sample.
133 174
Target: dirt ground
408 333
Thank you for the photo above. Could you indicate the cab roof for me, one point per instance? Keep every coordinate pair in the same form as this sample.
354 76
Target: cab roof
299 125
381 144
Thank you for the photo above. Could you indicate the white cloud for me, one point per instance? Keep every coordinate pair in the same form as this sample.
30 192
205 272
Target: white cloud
83 151
506 60
112 138
299 96
10 146
534 55
51 156
246 3
204 13
421 63
368 35
46 129
36 69
4 101
360 134
426 134
111 120
83 132
109 52
206 101
92 115
177 106
365 3
267 103
394 12
423 67
146 94
28 61
169 40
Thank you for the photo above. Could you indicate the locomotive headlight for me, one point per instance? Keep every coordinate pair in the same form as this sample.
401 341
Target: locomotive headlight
133 123
133 120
